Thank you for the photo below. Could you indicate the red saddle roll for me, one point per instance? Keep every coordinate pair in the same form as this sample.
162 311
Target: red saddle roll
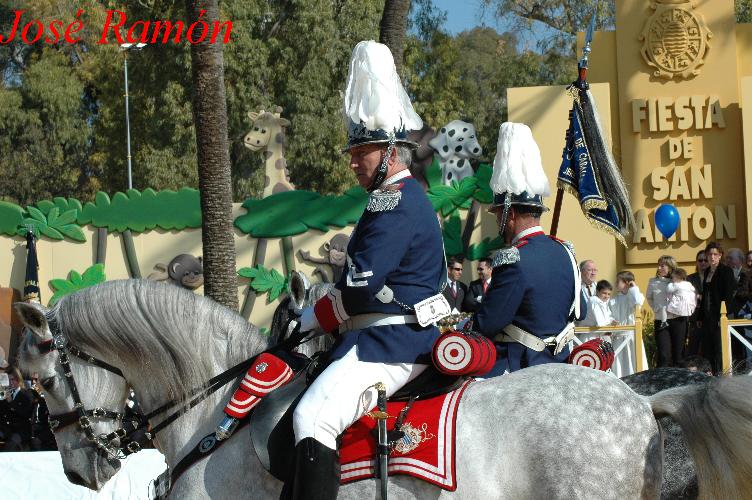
459 353
267 373
595 353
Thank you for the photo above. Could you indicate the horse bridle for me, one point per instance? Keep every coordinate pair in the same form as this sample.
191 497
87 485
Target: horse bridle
106 442
80 415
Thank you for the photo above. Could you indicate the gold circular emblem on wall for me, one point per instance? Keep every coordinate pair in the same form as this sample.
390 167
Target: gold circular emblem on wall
675 40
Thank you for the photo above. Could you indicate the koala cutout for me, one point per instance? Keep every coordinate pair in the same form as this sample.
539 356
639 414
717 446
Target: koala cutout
184 270
456 144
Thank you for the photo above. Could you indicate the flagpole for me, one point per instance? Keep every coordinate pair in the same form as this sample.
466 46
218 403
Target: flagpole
582 66
557 211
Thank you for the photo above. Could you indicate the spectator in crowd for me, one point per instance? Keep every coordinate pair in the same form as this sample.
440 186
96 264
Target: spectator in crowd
697 364
718 286
696 278
736 259
42 438
682 302
657 297
477 289
588 273
749 260
599 312
15 413
627 297
455 290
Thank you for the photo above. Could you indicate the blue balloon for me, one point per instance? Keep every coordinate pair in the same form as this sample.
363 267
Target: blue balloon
667 220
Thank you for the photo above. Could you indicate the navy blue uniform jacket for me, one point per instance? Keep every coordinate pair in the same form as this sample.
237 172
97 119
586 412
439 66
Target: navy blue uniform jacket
401 248
536 294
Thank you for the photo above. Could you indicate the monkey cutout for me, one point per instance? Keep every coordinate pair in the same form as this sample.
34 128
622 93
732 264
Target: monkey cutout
184 270
336 258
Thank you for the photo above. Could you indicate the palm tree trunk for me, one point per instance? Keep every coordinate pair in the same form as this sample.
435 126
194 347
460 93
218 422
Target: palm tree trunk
393 27
210 118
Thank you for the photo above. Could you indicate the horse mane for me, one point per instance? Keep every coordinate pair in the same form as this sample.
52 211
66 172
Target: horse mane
173 337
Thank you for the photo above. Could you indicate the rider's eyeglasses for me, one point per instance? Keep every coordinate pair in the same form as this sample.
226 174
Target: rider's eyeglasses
456 269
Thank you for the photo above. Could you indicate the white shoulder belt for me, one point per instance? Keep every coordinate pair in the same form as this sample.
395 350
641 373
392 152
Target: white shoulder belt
513 333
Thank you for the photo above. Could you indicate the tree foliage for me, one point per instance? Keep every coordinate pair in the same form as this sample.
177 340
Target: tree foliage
62 125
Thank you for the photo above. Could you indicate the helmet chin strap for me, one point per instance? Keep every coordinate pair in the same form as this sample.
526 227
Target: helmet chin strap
381 172
505 214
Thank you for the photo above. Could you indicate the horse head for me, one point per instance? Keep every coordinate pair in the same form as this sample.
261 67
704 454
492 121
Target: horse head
84 463
302 294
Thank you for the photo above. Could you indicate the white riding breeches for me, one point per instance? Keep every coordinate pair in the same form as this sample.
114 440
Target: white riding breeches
343 393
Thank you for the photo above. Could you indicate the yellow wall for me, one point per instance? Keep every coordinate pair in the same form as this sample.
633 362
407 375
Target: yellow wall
641 144
546 111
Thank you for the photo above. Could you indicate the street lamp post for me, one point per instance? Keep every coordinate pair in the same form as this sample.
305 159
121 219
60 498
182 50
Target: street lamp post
125 47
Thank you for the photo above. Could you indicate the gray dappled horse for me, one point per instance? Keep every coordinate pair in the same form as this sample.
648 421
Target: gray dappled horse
551 431
679 476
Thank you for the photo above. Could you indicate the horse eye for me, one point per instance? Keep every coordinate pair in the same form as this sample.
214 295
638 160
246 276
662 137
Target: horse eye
48 383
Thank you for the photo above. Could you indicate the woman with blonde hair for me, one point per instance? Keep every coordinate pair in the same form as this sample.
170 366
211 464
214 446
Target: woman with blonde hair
657 297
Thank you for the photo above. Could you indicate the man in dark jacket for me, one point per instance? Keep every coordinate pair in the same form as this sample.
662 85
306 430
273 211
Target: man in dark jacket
477 289
455 290
15 413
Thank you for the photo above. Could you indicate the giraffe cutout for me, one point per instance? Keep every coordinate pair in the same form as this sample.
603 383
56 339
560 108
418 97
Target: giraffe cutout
268 135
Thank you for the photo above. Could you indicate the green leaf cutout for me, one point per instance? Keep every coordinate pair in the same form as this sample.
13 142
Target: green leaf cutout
452 232
75 282
295 212
265 280
484 248
11 217
140 211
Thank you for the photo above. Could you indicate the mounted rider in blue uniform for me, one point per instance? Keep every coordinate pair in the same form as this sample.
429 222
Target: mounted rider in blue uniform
534 296
394 261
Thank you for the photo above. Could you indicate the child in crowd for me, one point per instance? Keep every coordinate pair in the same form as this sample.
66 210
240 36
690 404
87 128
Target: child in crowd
681 303
628 296
599 312
682 297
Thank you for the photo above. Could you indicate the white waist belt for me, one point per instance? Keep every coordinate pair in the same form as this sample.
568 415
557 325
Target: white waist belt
513 333
362 321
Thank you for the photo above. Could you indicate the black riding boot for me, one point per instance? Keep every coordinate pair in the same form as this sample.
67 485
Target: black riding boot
316 471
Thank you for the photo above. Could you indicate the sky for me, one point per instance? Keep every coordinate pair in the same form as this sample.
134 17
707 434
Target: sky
462 14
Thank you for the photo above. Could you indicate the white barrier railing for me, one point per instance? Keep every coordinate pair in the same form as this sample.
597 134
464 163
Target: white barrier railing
728 328
629 350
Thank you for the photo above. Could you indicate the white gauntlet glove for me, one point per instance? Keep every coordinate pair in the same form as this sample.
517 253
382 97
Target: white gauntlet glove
309 322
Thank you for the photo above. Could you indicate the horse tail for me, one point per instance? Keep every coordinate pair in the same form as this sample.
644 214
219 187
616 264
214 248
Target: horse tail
716 419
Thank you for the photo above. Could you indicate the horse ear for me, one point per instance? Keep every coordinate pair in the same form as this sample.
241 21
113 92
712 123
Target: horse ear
33 318
253 115
298 285
283 122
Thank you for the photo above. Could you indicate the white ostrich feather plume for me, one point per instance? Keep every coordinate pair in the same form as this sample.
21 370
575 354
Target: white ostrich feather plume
374 95
517 166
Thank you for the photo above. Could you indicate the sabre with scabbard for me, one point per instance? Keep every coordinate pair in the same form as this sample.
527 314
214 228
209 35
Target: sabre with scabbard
382 448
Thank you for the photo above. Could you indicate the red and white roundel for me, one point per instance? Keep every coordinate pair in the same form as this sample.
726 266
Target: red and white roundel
586 358
595 353
453 353
456 353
